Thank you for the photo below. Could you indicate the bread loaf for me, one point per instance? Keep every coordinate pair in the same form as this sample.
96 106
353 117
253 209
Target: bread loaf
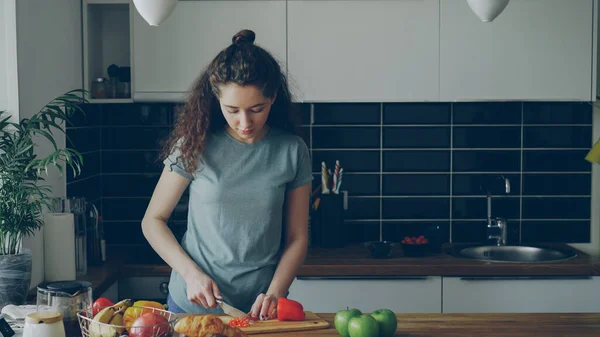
206 326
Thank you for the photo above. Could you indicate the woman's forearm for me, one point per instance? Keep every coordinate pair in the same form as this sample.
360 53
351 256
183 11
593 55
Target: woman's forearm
291 259
166 246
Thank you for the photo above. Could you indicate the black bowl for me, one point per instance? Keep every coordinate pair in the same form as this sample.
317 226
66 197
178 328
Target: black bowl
380 249
414 250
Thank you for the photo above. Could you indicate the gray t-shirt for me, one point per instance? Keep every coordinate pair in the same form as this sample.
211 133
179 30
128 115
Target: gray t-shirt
235 213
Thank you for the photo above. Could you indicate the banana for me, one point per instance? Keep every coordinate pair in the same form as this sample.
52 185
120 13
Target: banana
117 322
103 316
111 319
123 304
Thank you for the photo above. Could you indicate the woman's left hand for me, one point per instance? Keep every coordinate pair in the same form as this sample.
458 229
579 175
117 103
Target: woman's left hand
265 307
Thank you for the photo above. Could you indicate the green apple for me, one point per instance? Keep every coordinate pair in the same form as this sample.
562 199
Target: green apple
387 322
342 318
363 326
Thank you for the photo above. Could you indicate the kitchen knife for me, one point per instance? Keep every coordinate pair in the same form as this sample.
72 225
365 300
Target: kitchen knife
231 311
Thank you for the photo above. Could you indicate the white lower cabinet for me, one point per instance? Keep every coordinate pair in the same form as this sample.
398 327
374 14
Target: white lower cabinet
521 294
399 294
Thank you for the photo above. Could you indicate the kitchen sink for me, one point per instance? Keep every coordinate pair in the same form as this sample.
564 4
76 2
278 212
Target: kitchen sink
515 254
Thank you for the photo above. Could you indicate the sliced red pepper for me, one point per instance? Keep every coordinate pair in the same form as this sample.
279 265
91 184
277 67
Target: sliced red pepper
289 310
240 322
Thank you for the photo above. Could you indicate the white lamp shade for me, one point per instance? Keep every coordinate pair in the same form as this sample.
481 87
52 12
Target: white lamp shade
487 10
155 11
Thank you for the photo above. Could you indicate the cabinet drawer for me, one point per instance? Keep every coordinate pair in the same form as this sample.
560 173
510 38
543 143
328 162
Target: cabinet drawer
520 294
401 295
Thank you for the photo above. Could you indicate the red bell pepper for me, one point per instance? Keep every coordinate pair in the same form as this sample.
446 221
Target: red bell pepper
289 310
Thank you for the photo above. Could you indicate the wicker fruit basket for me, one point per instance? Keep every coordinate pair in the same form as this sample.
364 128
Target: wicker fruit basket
148 322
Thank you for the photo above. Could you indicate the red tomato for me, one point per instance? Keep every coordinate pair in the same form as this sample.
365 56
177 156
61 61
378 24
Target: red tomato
101 303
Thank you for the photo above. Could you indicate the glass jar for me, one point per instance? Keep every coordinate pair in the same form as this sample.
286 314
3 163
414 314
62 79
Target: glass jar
98 88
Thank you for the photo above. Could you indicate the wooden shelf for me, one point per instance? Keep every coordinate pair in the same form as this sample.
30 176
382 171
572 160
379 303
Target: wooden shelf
107 41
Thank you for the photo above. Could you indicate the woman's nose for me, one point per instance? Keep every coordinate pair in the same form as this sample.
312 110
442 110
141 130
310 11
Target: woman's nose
245 120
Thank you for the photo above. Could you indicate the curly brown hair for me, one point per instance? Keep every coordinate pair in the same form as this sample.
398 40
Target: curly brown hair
242 63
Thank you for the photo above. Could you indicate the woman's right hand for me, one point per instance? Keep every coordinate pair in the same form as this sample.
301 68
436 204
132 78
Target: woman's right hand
202 290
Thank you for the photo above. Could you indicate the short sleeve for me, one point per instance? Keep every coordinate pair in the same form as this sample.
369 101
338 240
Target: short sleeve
304 168
174 162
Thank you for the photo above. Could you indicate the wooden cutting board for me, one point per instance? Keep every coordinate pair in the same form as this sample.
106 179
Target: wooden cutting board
311 322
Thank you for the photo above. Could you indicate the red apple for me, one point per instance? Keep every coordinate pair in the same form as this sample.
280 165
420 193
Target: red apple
151 324
101 303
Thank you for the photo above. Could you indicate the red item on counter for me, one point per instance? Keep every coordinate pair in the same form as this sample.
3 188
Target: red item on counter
289 310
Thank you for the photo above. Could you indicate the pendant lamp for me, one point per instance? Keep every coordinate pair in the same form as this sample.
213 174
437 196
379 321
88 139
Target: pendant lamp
487 10
155 11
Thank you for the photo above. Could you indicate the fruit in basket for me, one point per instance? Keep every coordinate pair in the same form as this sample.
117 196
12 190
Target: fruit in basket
151 324
100 303
109 320
123 304
107 323
136 311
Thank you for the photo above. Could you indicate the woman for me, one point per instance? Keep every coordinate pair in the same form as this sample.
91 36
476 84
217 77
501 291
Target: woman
249 182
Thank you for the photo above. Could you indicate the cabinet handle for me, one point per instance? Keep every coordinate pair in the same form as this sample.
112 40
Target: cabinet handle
366 277
533 277
164 288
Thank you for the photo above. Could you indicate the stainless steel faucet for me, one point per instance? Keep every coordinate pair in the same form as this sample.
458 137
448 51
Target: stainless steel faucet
499 223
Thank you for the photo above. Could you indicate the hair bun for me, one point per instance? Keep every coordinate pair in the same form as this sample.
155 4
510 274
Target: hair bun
244 36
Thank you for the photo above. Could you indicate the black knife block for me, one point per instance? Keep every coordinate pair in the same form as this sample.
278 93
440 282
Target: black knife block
327 222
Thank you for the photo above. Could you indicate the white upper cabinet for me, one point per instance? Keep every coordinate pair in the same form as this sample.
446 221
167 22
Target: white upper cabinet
344 51
535 49
169 58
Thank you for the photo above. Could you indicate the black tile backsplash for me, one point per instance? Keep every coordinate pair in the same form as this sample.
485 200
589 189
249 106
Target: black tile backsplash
346 137
409 168
354 160
486 160
416 161
84 139
557 184
84 134
556 136
487 137
557 113
416 113
416 137
138 161
556 160
415 208
129 185
476 207
138 138
415 184
347 113
487 113
466 184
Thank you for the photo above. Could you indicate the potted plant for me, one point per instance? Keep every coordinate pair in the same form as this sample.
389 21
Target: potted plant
23 194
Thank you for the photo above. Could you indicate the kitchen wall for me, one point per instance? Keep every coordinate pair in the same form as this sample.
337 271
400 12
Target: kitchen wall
43 62
410 168
9 93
